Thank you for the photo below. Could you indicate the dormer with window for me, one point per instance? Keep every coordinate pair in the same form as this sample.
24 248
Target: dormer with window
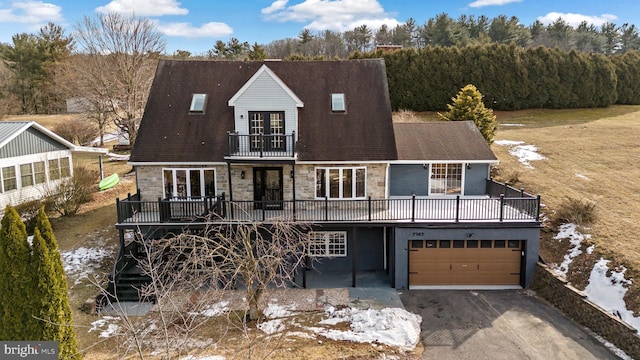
265 117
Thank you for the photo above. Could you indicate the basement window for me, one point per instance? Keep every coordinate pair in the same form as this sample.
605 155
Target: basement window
338 103
198 102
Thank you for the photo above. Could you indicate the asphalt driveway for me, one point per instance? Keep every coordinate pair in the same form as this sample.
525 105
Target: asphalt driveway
497 324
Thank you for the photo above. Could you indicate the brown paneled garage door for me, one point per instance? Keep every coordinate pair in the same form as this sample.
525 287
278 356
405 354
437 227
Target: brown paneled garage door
464 262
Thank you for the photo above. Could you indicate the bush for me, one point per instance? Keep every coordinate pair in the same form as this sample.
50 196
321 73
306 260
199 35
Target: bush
78 131
28 213
575 211
73 192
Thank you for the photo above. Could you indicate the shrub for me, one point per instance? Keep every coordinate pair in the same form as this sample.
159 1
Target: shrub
78 131
575 211
28 212
73 192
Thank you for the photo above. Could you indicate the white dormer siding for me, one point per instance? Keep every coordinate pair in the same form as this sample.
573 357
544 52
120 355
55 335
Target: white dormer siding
265 91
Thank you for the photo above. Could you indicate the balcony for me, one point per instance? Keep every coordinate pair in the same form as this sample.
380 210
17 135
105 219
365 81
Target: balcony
518 206
261 146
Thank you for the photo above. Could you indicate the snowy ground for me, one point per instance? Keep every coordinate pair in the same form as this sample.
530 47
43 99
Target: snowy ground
525 153
606 287
83 261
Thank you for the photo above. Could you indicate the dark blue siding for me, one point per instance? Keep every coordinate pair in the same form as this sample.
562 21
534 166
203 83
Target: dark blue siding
369 251
407 180
475 181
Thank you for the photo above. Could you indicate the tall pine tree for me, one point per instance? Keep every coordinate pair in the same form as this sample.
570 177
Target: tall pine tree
468 105
15 279
50 298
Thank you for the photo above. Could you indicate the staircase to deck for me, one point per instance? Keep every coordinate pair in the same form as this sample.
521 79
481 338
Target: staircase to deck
127 280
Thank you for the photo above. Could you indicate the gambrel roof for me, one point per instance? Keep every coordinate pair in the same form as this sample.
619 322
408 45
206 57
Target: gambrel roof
169 133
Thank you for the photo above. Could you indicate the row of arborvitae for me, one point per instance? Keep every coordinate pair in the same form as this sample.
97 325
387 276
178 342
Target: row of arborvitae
510 77
34 305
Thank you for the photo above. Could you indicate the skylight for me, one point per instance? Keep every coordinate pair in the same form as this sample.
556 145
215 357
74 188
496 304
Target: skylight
198 102
337 102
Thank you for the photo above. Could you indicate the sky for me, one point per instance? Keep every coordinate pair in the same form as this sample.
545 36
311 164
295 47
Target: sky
195 25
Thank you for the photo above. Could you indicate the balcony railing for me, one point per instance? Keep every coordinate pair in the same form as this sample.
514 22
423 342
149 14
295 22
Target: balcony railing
410 210
261 145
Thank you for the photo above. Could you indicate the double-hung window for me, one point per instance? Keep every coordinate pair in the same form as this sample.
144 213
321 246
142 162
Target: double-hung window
40 172
327 244
26 175
9 178
189 183
341 182
446 179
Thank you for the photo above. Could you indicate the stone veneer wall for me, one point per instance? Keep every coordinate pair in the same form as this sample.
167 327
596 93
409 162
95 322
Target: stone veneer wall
151 185
150 179
573 303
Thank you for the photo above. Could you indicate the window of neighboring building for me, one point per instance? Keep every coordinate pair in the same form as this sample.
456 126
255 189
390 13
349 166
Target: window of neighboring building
9 178
446 179
65 167
189 183
198 102
39 172
338 103
328 244
26 175
54 169
341 183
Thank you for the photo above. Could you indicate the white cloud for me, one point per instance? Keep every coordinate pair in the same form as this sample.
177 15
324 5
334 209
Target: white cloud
275 6
144 7
481 3
184 29
31 12
575 19
337 15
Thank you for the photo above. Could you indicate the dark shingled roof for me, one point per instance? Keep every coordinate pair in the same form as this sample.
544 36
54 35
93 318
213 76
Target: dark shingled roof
168 133
442 140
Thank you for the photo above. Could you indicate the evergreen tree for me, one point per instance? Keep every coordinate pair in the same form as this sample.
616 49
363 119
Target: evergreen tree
15 315
468 105
50 299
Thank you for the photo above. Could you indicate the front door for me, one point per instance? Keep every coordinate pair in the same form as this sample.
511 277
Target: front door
267 188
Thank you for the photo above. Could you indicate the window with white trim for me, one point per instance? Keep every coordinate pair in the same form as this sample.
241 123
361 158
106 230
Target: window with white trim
327 244
65 167
9 178
189 183
446 179
26 175
39 172
54 169
341 182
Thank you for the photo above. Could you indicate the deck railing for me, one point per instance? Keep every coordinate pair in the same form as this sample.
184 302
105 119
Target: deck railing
261 145
519 208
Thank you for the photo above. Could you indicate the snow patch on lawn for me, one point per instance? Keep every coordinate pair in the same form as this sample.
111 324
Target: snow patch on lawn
607 289
389 326
570 231
274 311
111 328
524 153
204 358
81 262
213 310
582 176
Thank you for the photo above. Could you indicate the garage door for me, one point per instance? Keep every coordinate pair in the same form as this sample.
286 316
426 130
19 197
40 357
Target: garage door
464 262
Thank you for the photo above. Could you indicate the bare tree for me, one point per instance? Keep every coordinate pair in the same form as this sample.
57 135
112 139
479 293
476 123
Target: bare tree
250 256
119 57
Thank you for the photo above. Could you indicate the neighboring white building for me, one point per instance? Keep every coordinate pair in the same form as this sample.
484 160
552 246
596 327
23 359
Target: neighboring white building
33 161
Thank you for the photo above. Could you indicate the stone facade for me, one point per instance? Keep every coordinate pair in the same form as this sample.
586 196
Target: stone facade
150 180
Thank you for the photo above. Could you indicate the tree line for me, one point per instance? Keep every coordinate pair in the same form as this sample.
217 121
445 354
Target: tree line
511 78
109 60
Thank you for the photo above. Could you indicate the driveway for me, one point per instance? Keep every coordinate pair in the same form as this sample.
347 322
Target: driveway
497 324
